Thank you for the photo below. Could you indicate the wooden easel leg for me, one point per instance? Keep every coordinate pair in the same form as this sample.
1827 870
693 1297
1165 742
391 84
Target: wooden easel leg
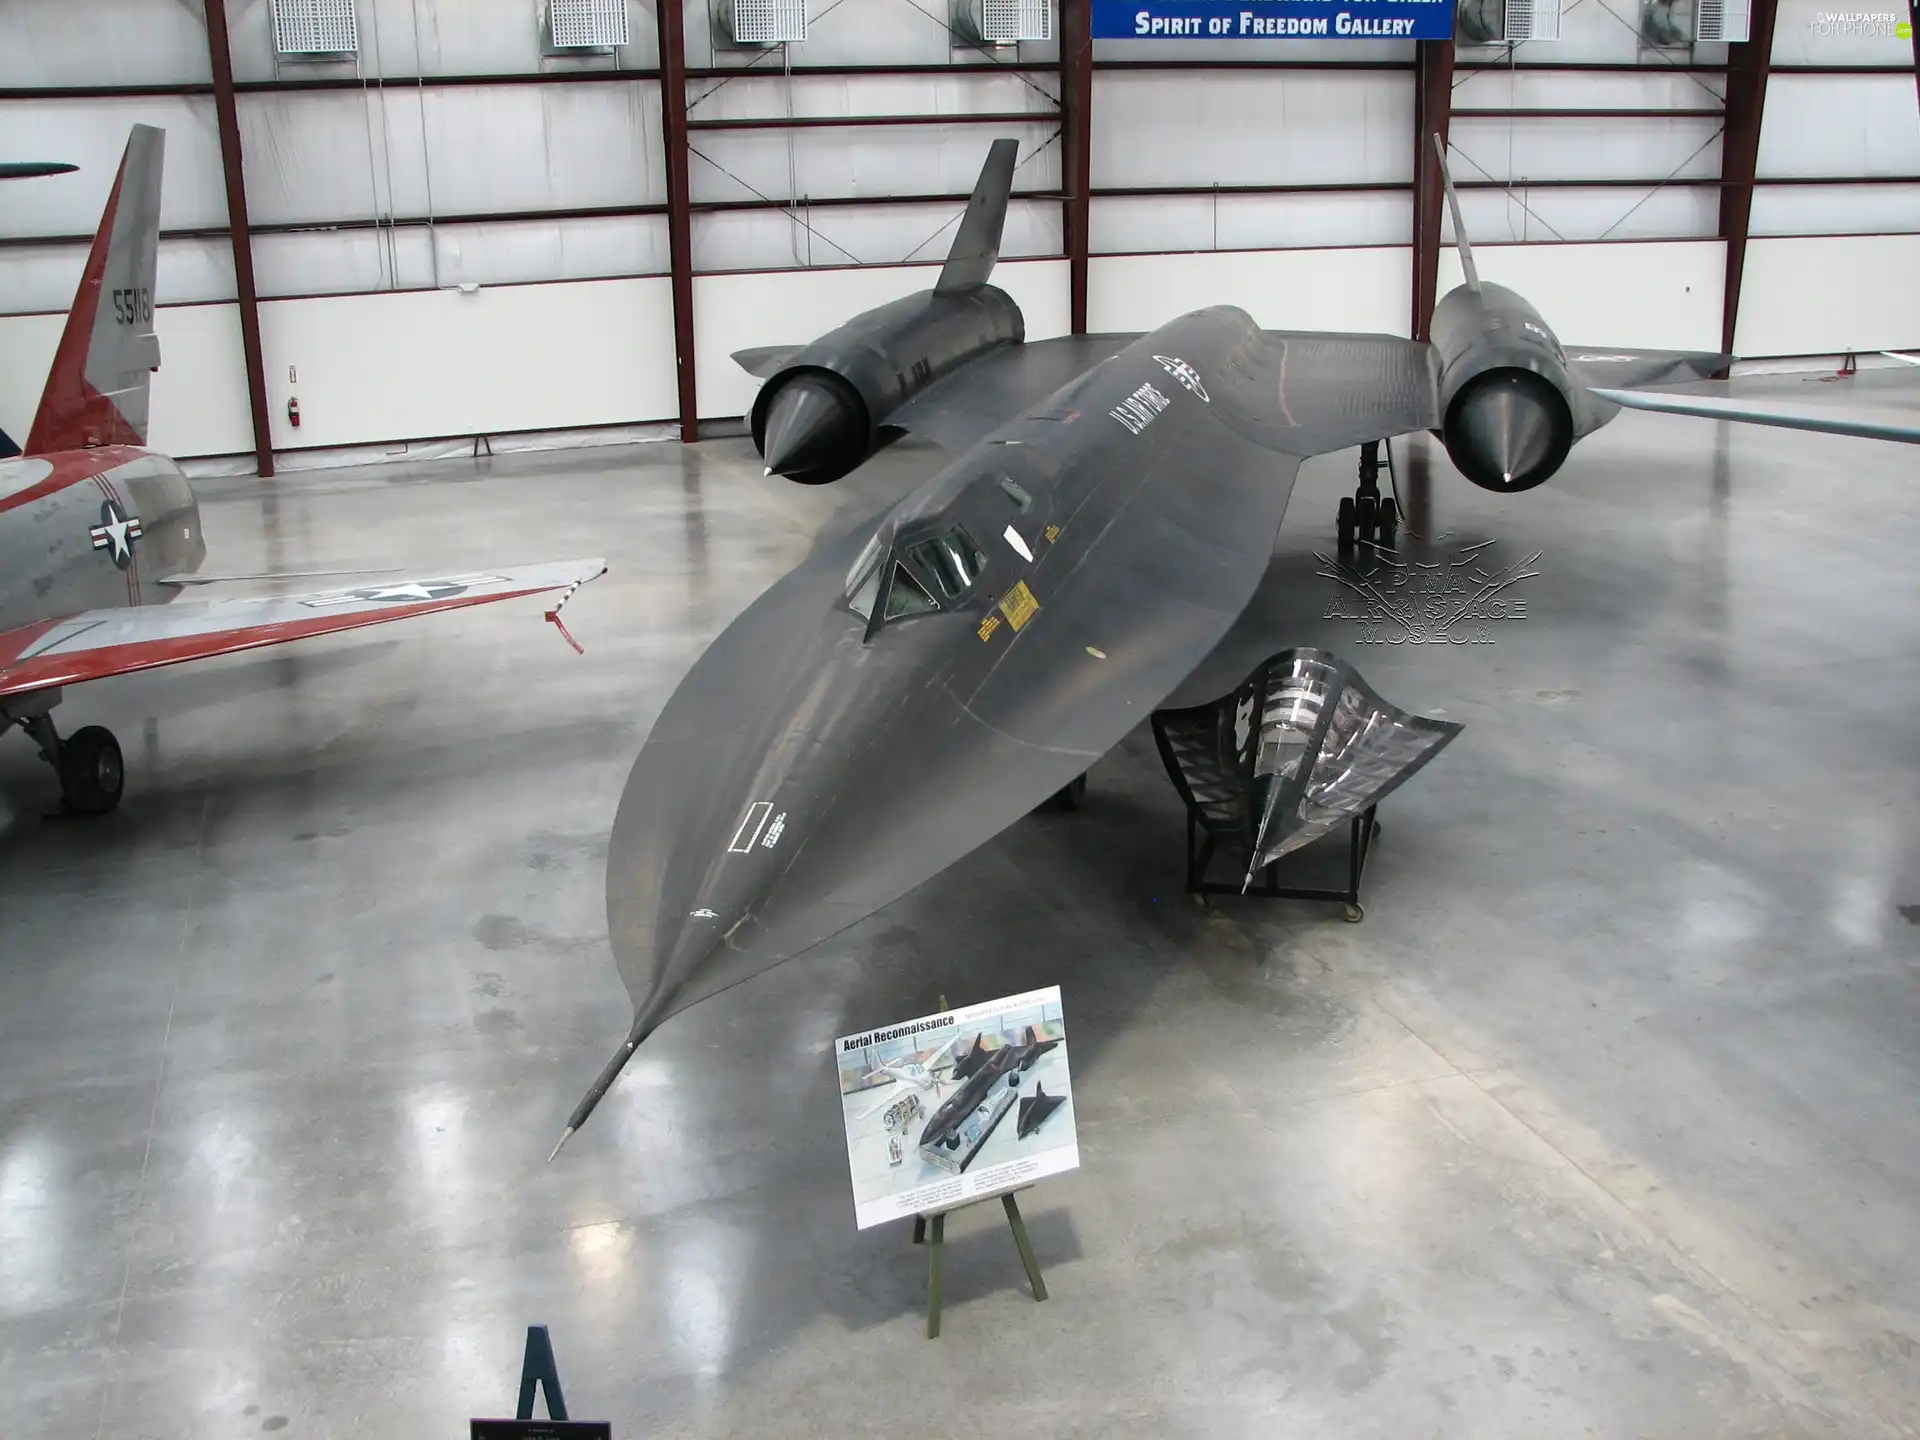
1025 1247
936 1247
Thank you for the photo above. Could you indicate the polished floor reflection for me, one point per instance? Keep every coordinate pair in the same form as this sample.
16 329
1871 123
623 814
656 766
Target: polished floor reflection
1606 1121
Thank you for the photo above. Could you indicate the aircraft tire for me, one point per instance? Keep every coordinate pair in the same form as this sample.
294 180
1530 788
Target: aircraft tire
1389 520
1345 521
92 774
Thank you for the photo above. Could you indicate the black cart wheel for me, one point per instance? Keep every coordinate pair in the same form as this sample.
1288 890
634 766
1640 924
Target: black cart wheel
1068 797
91 773
1345 522
1353 914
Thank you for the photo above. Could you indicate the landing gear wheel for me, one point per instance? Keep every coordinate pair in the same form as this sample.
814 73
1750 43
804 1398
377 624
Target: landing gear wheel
91 772
1345 523
1068 797
1367 516
1353 914
1389 521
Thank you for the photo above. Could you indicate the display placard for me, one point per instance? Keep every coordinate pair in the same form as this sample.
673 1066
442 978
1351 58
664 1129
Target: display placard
1273 19
945 1109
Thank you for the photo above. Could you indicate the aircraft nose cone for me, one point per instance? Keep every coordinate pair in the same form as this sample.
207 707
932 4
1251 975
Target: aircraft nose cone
1510 431
812 431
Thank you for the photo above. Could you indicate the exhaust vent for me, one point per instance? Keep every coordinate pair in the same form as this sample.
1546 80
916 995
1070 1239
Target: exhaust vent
1508 22
585 24
1724 21
1003 22
315 29
755 23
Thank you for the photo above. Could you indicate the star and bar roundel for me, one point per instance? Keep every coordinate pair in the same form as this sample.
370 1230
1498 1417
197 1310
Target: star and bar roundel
116 533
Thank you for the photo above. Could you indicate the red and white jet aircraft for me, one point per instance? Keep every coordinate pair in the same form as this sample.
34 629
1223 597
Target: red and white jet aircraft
97 532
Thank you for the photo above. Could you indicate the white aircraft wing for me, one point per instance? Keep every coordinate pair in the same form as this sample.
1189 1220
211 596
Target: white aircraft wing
97 643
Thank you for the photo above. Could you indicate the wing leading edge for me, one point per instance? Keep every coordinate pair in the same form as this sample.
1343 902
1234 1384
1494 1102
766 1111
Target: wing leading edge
1749 412
97 643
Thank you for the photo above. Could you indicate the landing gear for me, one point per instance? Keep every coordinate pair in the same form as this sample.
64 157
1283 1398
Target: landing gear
92 774
1068 797
1367 517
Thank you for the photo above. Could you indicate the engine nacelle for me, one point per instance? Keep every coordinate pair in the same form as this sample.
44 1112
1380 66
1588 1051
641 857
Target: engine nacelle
1509 410
824 411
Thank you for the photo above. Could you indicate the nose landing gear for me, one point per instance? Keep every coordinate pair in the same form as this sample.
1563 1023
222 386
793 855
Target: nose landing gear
1367 517
88 762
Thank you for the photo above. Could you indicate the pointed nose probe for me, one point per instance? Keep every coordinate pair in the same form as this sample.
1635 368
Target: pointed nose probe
809 427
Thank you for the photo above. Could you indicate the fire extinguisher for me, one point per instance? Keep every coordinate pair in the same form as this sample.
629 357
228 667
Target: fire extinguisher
293 411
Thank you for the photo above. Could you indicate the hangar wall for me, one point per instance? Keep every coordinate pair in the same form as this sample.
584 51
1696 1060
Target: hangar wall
1277 175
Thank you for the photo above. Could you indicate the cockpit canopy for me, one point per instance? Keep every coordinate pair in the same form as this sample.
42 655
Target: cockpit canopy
916 578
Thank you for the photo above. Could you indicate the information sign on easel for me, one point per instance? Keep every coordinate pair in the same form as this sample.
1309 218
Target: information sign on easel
956 1107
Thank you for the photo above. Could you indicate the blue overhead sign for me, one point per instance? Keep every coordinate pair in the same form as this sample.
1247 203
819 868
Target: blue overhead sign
1273 19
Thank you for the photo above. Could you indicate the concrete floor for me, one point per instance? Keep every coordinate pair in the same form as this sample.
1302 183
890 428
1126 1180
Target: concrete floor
1605 1122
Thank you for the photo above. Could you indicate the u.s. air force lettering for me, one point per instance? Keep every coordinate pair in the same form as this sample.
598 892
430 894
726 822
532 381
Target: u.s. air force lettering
1272 19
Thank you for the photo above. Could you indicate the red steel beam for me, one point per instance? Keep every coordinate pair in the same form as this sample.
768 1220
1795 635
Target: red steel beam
228 118
1432 110
673 114
1076 147
1747 66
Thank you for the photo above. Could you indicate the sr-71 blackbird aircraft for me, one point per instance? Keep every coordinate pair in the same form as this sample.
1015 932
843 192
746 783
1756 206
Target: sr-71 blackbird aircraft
978 1073
1111 506
96 531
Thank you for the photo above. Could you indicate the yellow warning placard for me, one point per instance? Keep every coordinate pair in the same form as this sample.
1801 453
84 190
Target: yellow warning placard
1019 606
988 626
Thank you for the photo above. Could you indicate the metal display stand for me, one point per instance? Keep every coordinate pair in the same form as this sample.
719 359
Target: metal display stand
934 1238
1361 833
540 1372
539 1368
1298 752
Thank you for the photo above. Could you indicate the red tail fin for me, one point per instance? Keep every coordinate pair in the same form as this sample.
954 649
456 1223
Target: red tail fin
97 391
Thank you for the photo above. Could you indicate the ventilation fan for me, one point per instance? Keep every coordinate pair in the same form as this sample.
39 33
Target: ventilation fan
576 25
1003 22
1508 22
315 28
1677 24
1723 21
750 24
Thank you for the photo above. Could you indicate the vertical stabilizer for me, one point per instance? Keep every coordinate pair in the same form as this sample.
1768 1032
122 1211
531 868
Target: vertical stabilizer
97 391
977 246
1453 207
